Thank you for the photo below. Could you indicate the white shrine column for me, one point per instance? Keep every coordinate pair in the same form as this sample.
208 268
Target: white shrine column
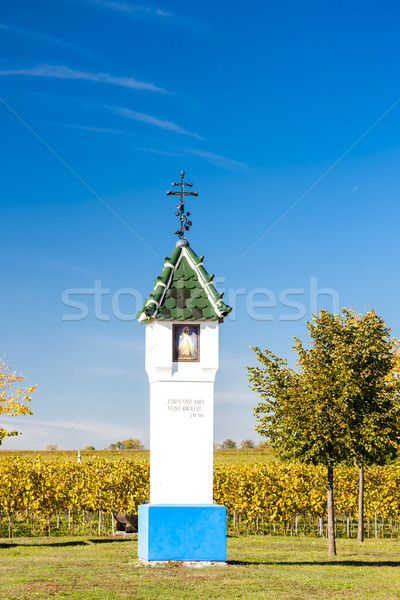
181 416
182 315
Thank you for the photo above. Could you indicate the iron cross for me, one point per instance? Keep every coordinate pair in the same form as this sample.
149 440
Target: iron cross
183 217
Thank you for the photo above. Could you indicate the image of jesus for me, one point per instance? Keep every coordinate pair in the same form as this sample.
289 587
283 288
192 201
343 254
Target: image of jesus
188 348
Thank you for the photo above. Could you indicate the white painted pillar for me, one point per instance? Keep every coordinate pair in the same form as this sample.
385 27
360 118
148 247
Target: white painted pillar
181 416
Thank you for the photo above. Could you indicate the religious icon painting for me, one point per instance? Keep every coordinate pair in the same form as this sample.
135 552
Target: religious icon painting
186 343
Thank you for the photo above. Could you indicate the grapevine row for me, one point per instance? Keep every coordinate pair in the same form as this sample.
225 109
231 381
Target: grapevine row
276 491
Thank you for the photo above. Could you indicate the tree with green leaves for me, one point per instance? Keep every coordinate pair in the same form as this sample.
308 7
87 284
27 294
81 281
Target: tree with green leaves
369 362
129 444
247 444
51 447
340 403
132 444
13 397
228 444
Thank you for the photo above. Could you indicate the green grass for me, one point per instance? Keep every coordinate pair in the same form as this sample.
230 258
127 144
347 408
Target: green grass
221 457
259 568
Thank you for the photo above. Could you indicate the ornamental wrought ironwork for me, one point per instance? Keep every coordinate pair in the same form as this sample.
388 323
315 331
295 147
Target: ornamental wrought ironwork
180 212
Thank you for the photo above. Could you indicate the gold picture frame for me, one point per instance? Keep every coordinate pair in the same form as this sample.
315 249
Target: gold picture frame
186 343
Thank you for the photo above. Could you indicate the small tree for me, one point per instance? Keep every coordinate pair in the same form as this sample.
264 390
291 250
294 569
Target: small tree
248 443
13 397
302 413
86 447
369 361
132 444
51 447
341 406
228 444
129 444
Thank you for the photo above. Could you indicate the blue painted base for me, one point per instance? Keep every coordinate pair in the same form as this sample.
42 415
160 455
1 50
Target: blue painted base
182 532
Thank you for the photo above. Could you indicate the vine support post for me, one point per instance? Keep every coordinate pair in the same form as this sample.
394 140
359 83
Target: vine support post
360 532
331 514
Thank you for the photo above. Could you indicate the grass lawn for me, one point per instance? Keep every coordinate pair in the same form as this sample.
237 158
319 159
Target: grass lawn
267 568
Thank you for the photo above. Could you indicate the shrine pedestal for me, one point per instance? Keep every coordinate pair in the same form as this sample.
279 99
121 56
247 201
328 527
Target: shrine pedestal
181 532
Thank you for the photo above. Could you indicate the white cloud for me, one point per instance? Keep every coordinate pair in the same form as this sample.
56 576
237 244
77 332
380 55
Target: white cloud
36 434
123 6
95 129
157 151
107 371
132 9
92 426
163 13
216 159
144 118
63 72
47 39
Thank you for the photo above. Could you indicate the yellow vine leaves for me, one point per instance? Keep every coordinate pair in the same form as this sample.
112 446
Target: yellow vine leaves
14 398
277 491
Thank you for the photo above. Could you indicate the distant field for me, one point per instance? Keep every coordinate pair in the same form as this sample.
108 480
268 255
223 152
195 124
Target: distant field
221 457
262 455
71 455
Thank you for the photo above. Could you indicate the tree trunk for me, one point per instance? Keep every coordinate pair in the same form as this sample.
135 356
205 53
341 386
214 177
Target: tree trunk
360 535
331 514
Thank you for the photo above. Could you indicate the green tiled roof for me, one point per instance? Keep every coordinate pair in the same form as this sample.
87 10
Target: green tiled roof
183 291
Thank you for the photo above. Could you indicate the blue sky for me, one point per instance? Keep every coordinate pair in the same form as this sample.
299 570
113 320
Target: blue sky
285 115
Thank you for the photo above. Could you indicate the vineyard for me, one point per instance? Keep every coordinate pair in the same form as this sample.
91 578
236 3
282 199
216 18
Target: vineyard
62 497
221 456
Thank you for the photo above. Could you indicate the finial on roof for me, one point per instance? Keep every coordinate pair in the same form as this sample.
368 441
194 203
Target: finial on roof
182 243
183 217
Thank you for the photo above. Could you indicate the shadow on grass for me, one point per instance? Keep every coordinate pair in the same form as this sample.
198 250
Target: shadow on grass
335 563
50 544
113 540
55 544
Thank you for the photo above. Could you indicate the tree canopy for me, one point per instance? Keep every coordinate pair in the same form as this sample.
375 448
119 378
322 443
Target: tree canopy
51 447
228 444
343 399
13 397
247 443
341 405
369 363
129 444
